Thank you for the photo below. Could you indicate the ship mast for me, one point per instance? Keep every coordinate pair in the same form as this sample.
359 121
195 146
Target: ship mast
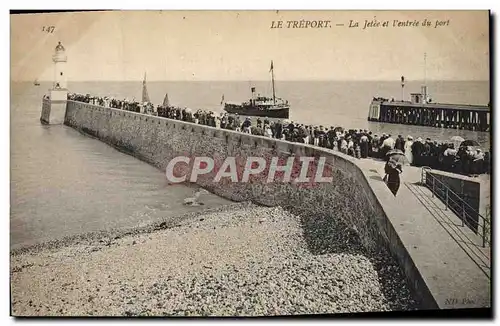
272 77
424 87
425 68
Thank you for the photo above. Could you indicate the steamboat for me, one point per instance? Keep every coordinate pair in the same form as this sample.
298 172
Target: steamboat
261 105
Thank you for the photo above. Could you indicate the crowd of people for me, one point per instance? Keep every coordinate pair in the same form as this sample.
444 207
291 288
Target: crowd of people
109 102
359 143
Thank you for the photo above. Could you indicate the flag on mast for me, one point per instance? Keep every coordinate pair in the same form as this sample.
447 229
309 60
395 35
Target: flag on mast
271 69
166 102
145 95
222 100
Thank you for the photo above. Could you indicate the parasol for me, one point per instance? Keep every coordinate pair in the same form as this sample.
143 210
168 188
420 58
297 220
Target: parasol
338 129
456 140
469 142
397 156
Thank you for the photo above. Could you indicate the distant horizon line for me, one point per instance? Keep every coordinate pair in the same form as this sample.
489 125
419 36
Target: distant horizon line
259 80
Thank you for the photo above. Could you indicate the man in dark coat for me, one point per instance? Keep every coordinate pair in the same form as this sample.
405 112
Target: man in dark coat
400 143
316 136
273 129
322 137
259 123
370 142
278 129
302 133
426 153
223 121
382 138
330 135
230 122
417 148
363 146
286 133
246 125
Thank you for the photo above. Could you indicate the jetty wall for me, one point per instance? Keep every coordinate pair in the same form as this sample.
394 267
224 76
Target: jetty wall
45 117
355 196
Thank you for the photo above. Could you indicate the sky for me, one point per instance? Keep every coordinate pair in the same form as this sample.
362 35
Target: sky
239 45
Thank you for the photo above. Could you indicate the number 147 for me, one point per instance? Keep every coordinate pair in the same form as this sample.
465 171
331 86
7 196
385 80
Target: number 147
48 29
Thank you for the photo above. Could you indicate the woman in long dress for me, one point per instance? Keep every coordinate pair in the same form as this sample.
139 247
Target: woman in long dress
393 169
268 132
408 152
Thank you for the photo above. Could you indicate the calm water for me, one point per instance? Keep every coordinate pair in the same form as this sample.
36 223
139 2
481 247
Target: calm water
63 182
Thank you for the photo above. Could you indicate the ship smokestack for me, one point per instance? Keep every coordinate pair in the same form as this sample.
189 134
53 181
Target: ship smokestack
424 94
272 77
253 95
424 86
402 88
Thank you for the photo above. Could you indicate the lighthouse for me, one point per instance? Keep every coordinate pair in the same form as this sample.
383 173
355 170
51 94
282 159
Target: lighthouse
59 58
54 105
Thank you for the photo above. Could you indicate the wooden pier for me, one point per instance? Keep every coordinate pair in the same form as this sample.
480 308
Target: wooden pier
439 115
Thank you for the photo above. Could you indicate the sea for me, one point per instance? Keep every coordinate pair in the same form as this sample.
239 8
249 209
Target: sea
64 183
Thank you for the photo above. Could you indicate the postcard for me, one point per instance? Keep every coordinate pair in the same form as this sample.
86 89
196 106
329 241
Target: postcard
250 163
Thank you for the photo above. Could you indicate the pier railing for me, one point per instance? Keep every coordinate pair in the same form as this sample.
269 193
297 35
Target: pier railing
468 215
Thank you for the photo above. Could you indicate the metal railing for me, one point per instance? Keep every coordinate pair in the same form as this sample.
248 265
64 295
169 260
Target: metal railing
453 201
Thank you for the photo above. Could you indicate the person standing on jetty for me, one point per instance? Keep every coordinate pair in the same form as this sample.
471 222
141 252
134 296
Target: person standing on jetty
259 123
408 149
278 129
247 125
237 123
393 169
400 143
417 148
364 146
387 145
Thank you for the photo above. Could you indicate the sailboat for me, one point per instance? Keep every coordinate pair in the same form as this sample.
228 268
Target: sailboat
36 82
272 107
145 95
148 108
166 102
163 109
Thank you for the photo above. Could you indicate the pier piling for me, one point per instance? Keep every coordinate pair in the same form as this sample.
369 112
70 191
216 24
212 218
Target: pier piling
456 116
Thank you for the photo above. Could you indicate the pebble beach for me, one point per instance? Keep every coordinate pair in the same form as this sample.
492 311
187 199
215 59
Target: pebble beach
235 260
